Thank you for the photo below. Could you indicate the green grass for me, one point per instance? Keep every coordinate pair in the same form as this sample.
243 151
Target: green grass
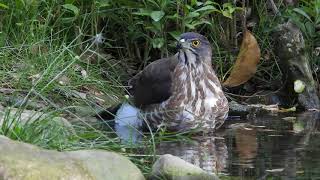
49 132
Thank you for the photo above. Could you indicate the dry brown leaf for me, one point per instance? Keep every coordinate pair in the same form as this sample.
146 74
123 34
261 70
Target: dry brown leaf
246 63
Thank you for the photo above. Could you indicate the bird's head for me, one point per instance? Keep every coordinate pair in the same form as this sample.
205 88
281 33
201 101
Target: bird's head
194 48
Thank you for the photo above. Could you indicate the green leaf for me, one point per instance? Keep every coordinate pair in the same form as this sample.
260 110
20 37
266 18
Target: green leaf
227 14
201 22
193 14
210 3
199 3
157 15
310 29
190 26
143 12
193 2
72 8
4 6
101 3
303 13
157 42
226 5
206 8
69 1
175 34
156 26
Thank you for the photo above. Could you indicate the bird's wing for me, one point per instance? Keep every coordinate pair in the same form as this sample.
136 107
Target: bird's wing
153 84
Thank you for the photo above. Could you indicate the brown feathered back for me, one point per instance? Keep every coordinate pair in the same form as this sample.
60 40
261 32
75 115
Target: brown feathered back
153 84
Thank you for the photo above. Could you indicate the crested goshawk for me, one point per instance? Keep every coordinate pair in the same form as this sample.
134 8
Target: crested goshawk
182 92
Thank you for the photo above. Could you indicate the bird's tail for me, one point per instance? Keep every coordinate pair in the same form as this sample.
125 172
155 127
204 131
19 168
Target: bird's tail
109 113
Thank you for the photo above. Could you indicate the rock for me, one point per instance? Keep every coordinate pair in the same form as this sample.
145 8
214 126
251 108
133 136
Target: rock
174 168
21 161
207 152
294 63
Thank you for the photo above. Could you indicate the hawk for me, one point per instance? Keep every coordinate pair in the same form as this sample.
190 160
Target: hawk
181 92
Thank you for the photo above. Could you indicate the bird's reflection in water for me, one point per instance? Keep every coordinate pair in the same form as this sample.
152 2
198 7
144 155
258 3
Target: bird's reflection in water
246 145
209 153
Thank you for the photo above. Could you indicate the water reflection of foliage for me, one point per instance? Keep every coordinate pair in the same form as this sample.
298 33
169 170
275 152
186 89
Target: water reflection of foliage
279 149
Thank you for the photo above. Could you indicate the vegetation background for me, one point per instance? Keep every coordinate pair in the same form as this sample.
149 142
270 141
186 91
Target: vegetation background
68 57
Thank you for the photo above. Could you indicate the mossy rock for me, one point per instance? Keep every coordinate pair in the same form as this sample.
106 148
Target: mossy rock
21 161
174 168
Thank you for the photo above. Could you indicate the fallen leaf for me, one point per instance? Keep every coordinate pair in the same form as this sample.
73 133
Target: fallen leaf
246 63
275 135
289 118
274 170
292 109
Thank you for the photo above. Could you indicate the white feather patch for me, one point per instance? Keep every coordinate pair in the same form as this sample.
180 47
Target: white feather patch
128 115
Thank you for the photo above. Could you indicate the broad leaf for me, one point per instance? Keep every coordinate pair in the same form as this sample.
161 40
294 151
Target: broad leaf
72 8
157 15
246 63
227 14
193 15
157 42
143 12
206 8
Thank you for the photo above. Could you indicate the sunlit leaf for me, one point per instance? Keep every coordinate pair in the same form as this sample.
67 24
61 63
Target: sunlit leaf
199 3
157 15
4 6
193 15
206 8
210 3
193 2
72 8
195 24
227 14
190 26
246 63
102 3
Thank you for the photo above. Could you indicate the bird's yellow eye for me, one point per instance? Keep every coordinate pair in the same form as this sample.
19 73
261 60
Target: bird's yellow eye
195 43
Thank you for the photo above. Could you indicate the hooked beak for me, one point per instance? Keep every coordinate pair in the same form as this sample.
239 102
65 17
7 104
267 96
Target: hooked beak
182 44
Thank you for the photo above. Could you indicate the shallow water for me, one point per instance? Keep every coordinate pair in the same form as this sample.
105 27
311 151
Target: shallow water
282 146
269 146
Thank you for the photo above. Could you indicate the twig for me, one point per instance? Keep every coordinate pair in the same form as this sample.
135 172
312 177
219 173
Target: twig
274 8
243 17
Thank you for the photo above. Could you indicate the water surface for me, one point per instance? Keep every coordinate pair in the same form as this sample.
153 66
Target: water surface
263 147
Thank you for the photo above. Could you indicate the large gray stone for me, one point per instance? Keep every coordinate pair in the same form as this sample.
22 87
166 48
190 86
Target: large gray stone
21 161
174 168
